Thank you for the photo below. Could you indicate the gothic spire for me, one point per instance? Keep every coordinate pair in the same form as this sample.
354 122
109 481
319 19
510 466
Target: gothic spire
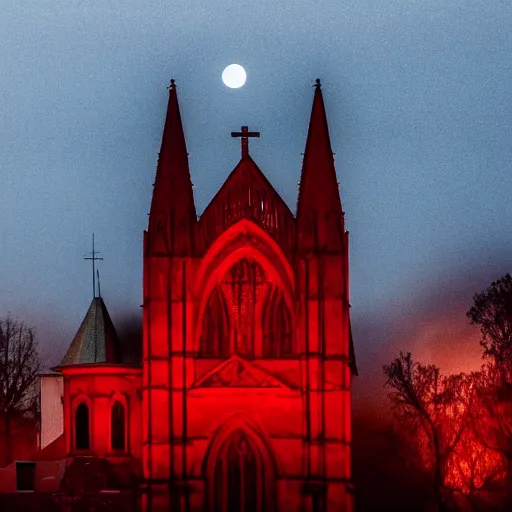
96 340
172 205
319 206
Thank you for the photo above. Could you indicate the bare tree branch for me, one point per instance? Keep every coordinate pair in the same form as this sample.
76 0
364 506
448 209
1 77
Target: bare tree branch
20 366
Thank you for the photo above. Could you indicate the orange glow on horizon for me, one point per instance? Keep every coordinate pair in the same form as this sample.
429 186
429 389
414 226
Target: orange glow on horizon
448 341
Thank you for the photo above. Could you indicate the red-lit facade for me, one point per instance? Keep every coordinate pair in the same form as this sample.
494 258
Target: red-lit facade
242 401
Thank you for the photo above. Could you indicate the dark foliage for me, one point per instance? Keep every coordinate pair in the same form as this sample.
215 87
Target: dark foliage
492 312
20 366
386 472
424 402
461 425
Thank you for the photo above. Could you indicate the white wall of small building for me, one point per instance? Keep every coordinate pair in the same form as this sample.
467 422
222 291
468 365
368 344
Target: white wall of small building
52 408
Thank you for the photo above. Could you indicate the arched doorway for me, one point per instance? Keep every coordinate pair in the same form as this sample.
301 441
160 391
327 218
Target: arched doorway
241 478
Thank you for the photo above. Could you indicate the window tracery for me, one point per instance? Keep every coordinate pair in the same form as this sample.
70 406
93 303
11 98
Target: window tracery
245 307
277 336
215 331
239 477
242 287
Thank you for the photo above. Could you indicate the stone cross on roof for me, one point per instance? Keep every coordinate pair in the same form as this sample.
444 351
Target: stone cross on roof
244 135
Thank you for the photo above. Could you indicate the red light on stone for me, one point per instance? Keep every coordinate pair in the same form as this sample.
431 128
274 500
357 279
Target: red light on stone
243 400
246 396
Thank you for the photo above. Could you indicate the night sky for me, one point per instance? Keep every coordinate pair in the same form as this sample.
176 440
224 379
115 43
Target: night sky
418 95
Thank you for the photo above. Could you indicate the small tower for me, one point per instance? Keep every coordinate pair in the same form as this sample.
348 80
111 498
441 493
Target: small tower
100 400
324 321
167 313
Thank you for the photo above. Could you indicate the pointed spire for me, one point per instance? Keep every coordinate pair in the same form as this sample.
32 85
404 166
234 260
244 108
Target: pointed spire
96 340
319 212
173 210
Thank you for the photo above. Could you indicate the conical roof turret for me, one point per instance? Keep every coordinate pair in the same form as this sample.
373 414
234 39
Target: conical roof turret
96 340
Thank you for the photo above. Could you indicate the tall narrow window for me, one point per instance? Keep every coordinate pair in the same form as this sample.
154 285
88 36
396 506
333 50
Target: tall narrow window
277 340
117 427
82 427
215 334
242 285
283 329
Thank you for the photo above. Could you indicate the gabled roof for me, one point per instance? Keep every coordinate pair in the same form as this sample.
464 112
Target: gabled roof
248 194
96 340
237 372
246 173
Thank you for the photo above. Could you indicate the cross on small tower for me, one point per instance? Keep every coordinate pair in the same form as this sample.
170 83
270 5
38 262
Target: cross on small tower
93 258
244 135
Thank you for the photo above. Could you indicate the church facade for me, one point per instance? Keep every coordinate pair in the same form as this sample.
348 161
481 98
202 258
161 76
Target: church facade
241 399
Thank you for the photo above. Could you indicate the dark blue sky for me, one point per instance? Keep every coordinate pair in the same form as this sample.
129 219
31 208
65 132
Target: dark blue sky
420 110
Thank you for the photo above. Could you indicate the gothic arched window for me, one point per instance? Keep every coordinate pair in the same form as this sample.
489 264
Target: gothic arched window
118 427
215 333
82 427
277 338
239 477
244 309
242 286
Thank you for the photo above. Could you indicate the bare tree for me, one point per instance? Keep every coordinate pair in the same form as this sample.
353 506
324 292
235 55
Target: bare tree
491 419
475 470
20 366
492 312
461 425
430 406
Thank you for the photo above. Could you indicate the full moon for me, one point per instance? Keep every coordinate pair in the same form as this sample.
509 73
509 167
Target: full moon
234 76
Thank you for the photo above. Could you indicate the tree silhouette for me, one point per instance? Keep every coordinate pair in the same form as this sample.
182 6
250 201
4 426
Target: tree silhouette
19 369
461 425
431 409
492 312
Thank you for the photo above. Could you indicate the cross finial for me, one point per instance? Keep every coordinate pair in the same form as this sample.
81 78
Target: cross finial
94 258
172 86
317 85
244 135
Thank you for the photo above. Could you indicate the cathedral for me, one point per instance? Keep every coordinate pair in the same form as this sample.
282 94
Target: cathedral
241 398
